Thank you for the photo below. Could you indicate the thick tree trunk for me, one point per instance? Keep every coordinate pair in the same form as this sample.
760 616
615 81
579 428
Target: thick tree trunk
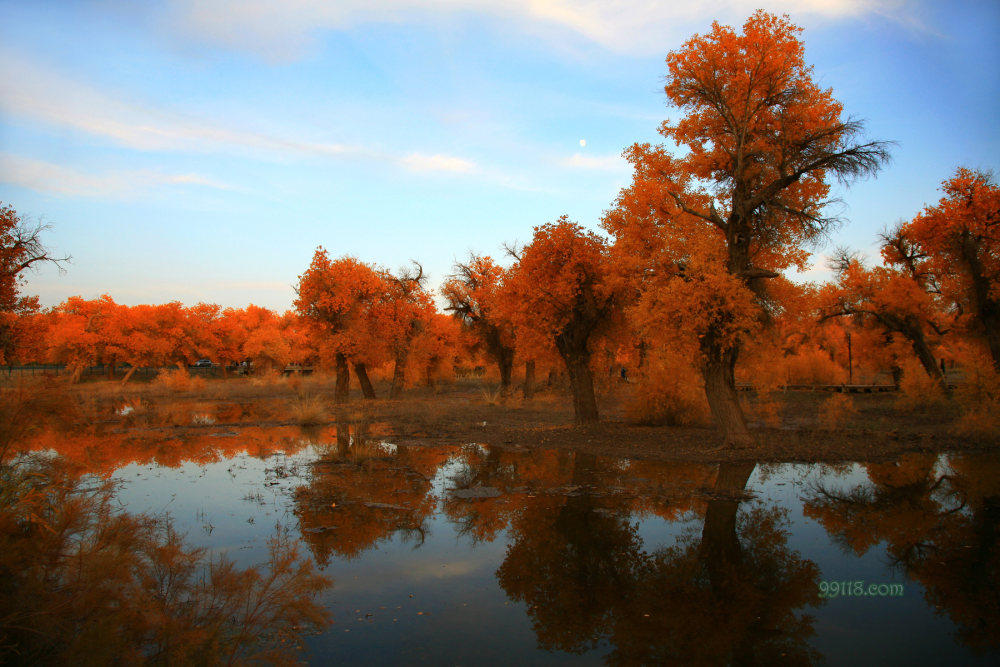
342 387
367 390
719 371
399 374
529 379
581 383
914 332
111 370
720 545
572 346
503 355
429 374
77 373
505 362
985 306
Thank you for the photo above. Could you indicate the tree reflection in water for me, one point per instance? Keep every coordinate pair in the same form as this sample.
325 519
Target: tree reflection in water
940 521
732 594
84 583
362 491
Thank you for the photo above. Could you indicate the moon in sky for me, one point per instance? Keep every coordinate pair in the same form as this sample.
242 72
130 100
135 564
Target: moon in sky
583 142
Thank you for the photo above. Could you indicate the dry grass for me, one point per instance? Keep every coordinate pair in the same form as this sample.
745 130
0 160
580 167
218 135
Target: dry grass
178 380
492 395
309 410
979 401
836 411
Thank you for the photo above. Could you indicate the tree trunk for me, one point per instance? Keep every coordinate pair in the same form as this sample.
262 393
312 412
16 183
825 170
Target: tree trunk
719 371
128 375
366 385
985 306
505 362
915 333
111 369
572 346
341 389
77 372
529 379
399 374
720 545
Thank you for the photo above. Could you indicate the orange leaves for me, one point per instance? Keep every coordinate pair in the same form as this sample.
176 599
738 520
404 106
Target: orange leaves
564 274
954 248
364 312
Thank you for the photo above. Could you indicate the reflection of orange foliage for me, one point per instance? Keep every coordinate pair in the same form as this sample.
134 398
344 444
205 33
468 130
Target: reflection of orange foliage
956 245
86 583
352 501
579 566
942 526
102 452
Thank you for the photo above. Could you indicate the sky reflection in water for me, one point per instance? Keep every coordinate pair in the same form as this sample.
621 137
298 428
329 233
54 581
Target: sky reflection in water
471 555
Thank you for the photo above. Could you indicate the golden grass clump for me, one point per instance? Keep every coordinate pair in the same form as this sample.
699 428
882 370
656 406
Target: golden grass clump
918 391
979 400
268 377
309 410
669 393
811 365
836 410
492 395
178 379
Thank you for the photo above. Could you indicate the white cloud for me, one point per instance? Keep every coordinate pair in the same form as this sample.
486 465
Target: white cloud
47 177
38 94
603 162
437 162
287 30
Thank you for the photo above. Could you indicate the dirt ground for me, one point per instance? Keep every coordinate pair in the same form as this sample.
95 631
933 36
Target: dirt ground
473 411
880 430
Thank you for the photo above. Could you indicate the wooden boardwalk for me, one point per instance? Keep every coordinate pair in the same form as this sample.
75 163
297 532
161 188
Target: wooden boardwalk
841 388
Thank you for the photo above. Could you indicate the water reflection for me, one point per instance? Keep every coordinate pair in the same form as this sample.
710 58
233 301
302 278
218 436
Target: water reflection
617 560
940 521
363 490
86 583
732 594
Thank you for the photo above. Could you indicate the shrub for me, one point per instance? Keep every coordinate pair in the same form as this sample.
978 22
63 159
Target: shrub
979 401
919 392
178 379
669 393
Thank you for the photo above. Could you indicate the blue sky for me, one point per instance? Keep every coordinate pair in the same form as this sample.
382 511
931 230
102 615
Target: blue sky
200 150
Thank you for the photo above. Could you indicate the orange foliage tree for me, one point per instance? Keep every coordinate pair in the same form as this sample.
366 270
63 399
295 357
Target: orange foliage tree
335 296
21 248
562 289
953 248
83 332
475 296
402 312
759 139
888 299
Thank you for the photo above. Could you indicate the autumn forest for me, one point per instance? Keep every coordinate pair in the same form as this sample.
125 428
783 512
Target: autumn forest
672 337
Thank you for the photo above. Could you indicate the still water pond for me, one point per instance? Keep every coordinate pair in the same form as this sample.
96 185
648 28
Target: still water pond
476 556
